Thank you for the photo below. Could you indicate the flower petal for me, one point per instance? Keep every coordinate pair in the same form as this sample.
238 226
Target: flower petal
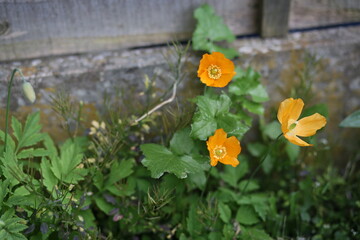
217 139
213 161
204 78
308 126
230 161
290 109
232 146
297 141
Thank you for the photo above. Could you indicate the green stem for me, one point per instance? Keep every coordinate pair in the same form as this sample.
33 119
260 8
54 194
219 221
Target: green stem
261 162
8 105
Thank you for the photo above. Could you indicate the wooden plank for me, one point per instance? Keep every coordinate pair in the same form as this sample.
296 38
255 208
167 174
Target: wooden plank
311 13
59 27
274 19
38 28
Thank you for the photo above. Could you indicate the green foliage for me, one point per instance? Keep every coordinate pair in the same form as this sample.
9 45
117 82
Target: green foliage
11 226
210 29
353 120
159 160
213 113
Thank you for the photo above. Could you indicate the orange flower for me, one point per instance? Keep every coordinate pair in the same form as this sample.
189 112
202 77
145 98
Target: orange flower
222 149
288 114
216 70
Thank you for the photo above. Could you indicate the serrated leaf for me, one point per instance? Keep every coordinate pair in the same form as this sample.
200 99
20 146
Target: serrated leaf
232 125
119 170
31 152
159 160
246 215
30 134
3 190
224 211
243 82
65 167
353 120
209 29
202 127
48 177
261 208
181 143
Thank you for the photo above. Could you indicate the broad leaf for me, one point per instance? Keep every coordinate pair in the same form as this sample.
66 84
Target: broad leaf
159 160
246 215
181 143
209 29
225 212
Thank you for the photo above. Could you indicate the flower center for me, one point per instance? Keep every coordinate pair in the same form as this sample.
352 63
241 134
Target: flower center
292 126
214 72
219 152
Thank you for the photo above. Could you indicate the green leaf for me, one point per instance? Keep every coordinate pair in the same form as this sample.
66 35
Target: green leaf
254 234
103 204
30 135
230 175
225 212
192 222
246 215
159 160
11 227
119 170
209 29
272 130
31 152
203 126
292 151
268 164
259 94
253 107
48 177
232 125
243 82
256 149
3 190
65 167
181 143
353 120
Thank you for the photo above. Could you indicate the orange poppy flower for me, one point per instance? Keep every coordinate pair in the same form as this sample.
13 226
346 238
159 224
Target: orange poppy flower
288 114
215 70
223 149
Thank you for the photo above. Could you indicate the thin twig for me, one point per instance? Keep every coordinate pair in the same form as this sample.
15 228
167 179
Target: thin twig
158 106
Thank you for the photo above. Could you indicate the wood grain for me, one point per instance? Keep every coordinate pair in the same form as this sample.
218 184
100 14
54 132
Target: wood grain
40 28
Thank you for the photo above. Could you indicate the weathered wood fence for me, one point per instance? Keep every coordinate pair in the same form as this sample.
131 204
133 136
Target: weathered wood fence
37 28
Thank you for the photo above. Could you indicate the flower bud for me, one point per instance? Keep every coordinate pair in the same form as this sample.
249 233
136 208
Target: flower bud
29 92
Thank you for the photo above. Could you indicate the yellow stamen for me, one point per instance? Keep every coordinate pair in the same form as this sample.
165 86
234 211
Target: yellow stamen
219 152
214 72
